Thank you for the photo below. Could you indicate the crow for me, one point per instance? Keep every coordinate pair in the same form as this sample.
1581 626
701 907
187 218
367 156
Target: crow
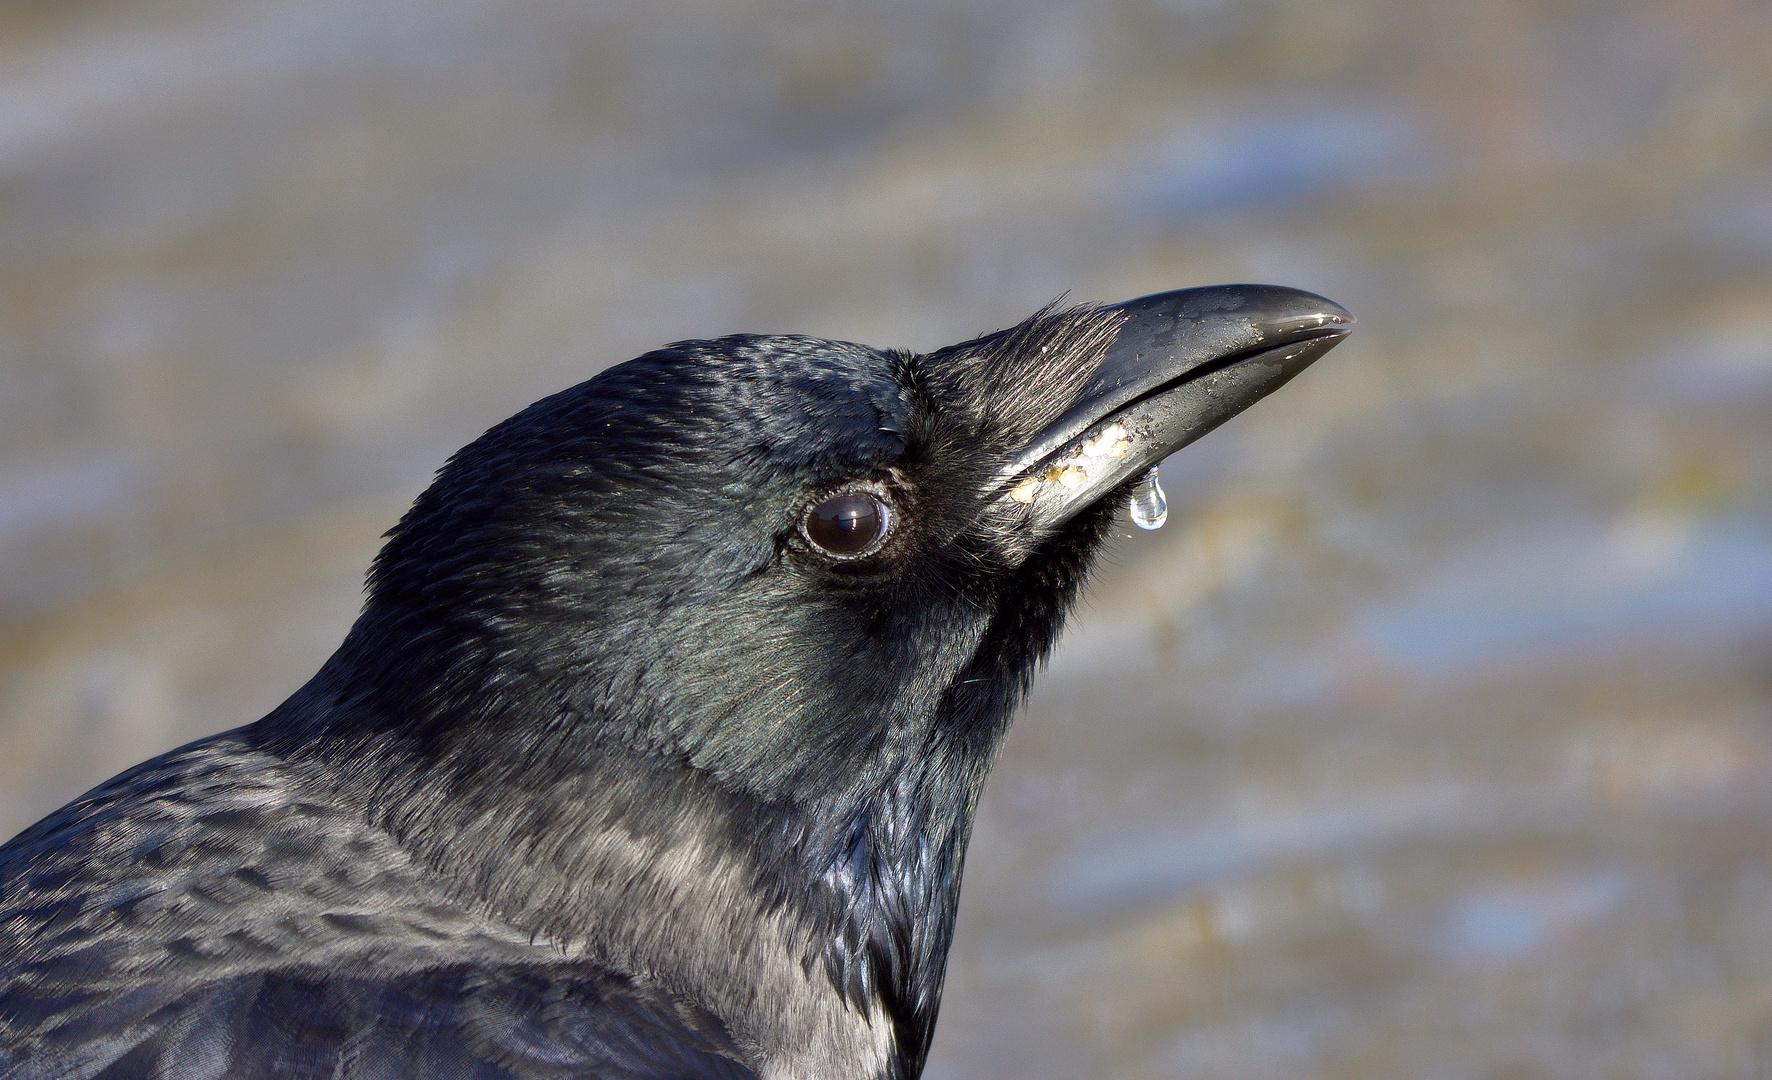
655 749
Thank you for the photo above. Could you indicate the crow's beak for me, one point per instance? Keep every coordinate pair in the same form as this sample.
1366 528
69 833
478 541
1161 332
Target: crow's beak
1183 363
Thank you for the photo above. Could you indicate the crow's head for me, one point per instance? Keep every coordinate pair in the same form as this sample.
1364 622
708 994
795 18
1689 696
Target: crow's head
806 580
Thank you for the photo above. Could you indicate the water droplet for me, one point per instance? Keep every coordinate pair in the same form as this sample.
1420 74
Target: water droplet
1150 508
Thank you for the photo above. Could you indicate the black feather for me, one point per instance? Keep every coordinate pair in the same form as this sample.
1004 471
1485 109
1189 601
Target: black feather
615 776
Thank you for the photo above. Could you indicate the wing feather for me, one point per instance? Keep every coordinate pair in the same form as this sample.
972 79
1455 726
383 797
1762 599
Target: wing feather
205 916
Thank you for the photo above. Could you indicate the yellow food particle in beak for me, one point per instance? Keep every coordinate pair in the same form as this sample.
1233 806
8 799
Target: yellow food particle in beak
1067 475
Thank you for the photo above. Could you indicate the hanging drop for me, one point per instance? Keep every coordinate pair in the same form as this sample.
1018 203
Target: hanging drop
1150 508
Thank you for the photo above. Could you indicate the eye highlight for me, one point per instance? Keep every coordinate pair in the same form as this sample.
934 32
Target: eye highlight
849 525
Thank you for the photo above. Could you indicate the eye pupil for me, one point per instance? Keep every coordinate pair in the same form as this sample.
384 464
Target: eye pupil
851 524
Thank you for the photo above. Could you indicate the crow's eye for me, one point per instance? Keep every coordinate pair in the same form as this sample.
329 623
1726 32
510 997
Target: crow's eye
849 525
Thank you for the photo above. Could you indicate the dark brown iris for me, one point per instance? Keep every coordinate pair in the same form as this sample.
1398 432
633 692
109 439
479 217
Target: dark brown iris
848 525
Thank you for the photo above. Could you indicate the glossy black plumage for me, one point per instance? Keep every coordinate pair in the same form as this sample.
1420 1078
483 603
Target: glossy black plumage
616 775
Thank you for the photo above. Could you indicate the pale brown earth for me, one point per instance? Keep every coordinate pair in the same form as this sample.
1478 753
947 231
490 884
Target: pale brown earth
1432 738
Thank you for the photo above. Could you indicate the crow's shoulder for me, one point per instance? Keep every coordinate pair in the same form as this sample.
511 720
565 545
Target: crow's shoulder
213 913
217 856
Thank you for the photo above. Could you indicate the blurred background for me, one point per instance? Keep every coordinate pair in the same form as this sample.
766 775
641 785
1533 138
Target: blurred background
1432 737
